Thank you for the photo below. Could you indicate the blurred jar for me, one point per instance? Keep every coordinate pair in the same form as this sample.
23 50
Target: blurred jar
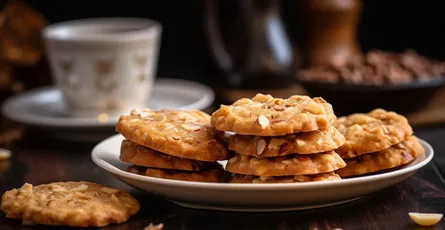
329 31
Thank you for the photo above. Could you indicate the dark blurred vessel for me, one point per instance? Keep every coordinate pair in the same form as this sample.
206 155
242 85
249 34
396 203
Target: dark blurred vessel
250 48
328 30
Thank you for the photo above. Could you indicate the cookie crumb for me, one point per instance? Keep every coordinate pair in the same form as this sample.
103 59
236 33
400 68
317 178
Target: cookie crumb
5 154
151 226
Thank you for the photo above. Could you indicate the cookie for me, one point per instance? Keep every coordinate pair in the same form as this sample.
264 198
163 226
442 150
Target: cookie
142 156
185 134
397 155
301 143
77 204
288 165
372 132
249 179
212 175
264 115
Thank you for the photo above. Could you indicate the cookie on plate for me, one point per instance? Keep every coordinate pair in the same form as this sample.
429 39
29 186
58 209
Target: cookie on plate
301 143
142 156
249 179
211 175
180 133
397 155
77 204
371 132
289 165
264 115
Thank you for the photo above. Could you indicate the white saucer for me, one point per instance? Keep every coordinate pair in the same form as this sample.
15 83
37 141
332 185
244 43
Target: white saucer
253 197
43 108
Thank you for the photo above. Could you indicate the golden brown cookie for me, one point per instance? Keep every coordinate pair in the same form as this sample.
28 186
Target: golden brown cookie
79 204
238 178
288 165
397 155
186 134
140 155
302 143
372 132
264 115
212 175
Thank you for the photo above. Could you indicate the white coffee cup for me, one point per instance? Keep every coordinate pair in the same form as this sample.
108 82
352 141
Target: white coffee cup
103 65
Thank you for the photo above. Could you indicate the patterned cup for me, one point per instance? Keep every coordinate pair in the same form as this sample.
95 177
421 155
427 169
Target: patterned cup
103 65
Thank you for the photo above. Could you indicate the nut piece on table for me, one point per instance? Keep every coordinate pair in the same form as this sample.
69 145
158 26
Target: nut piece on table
425 219
151 226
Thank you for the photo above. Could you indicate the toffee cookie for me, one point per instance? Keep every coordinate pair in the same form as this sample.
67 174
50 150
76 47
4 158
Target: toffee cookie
372 132
78 204
186 134
238 178
212 175
264 115
397 155
302 143
288 165
142 156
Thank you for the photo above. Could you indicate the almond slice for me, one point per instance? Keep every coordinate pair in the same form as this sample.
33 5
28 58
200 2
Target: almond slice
80 188
425 219
135 111
260 146
275 142
109 190
191 127
263 121
144 115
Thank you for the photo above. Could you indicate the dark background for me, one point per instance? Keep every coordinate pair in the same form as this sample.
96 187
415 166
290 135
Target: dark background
389 25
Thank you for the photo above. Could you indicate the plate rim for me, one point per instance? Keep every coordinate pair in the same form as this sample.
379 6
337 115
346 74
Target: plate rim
75 122
429 154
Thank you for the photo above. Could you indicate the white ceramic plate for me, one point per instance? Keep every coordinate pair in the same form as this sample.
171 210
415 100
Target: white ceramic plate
44 106
253 197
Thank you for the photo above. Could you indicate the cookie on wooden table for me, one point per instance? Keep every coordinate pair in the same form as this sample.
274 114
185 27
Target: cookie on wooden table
371 132
211 175
180 133
77 204
249 179
392 157
142 156
264 115
302 143
289 165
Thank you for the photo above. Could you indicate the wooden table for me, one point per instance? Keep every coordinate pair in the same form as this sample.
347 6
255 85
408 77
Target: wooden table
39 161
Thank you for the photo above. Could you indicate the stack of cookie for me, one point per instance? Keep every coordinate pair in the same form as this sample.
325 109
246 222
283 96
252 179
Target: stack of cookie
172 144
280 140
376 141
